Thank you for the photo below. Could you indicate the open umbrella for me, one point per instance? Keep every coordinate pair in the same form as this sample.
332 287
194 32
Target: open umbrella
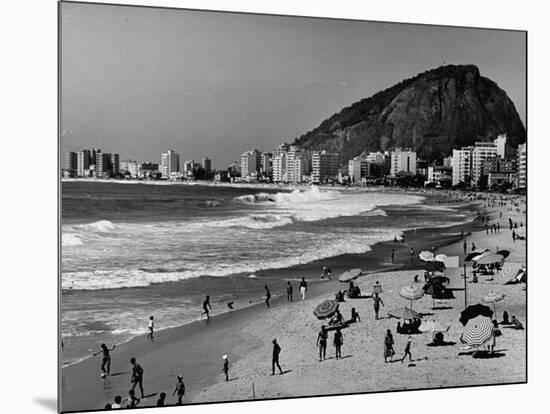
493 297
403 313
504 253
475 253
411 293
434 266
474 311
478 331
489 259
349 275
326 309
426 256
441 257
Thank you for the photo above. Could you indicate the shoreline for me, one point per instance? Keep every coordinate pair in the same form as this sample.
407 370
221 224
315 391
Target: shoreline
219 328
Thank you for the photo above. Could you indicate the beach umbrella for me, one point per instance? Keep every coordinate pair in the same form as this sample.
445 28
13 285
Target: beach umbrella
478 331
426 256
349 275
474 311
493 297
411 293
434 266
504 253
326 309
489 259
476 253
403 313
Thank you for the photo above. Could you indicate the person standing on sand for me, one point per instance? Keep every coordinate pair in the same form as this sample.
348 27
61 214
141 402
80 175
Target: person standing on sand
408 349
514 235
289 291
338 341
226 367
389 352
180 389
151 328
207 307
392 255
275 358
267 295
303 288
377 301
465 246
137 376
106 361
322 343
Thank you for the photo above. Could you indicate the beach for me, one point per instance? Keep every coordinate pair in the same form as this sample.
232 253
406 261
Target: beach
195 350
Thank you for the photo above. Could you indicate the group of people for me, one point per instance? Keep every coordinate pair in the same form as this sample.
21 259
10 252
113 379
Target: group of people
389 351
409 326
322 339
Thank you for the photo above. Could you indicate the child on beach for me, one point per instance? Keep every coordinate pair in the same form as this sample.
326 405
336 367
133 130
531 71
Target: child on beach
303 288
289 291
137 376
180 389
226 367
161 401
407 349
151 328
133 401
207 307
106 361
338 341
116 405
322 342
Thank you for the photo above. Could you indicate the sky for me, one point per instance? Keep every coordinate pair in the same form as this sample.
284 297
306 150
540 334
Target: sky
138 81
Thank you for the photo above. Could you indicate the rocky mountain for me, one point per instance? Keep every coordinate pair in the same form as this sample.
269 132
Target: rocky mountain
433 112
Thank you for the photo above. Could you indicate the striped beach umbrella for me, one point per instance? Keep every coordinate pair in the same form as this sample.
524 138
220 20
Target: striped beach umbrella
426 256
493 297
478 331
403 313
350 275
411 293
326 309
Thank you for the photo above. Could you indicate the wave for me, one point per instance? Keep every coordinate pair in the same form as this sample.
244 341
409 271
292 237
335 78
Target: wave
295 196
334 245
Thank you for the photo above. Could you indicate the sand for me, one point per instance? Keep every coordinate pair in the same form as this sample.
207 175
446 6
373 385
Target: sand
245 336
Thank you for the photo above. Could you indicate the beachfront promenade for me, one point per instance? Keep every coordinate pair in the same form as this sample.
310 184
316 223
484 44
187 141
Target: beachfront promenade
245 336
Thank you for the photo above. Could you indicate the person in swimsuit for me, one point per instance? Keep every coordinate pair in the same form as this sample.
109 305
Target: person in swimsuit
408 349
180 389
377 301
338 341
289 291
226 367
388 347
322 343
207 307
275 358
151 328
137 376
267 295
106 361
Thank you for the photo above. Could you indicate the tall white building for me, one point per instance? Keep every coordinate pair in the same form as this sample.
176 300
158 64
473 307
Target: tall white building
402 161
461 164
250 163
375 157
169 163
131 167
279 167
522 166
482 152
82 162
500 142
324 165
266 164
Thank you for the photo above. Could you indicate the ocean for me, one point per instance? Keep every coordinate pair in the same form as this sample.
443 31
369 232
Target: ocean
134 250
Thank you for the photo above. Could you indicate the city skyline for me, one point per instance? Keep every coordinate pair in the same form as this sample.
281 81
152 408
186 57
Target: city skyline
144 86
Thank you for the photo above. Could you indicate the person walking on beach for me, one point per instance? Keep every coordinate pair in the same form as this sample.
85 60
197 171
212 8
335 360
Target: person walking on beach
389 352
303 288
275 358
465 246
408 349
322 343
207 307
289 291
377 301
137 376
226 367
514 235
392 255
151 328
180 389
338 341
267 295
106 361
